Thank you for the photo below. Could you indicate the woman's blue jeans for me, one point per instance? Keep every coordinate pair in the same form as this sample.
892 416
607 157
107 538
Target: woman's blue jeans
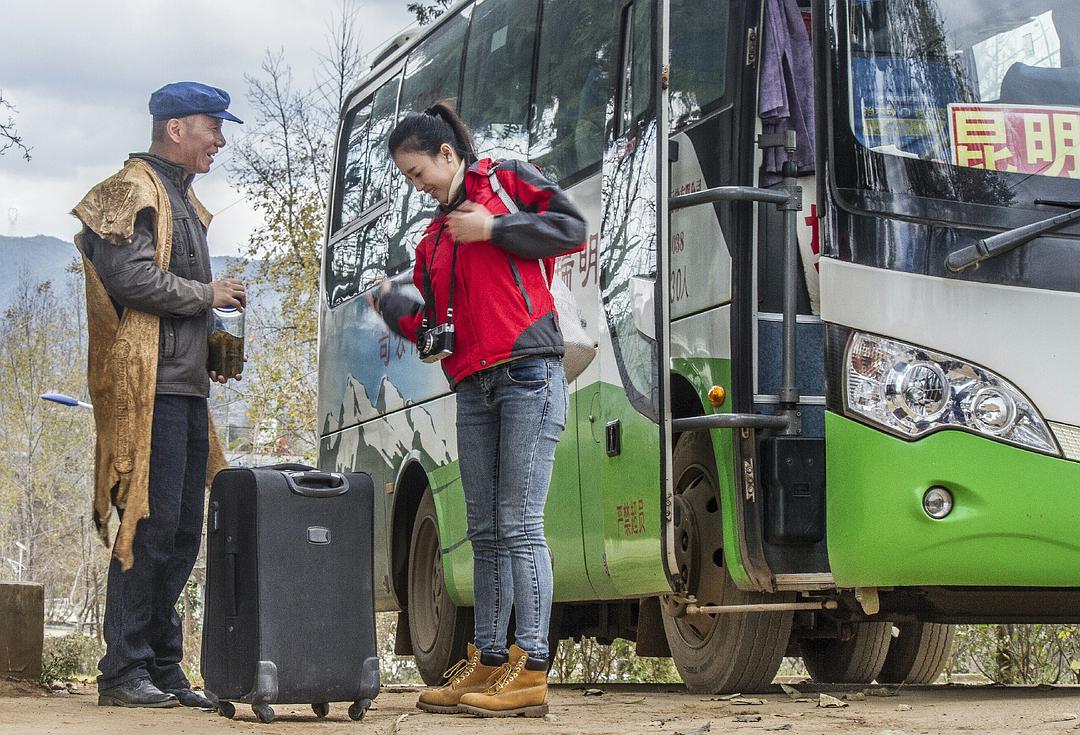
509 419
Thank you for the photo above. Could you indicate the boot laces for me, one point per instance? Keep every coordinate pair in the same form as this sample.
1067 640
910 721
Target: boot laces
502 676
460 671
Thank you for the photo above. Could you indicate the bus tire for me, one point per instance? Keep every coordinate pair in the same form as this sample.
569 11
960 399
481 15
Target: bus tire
857 660
716 653
438 629
918 653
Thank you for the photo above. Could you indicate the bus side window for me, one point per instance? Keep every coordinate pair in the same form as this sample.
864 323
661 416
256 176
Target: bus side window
355 171
433 71
383 112
498 75
636 93
567 128
432 74
700 46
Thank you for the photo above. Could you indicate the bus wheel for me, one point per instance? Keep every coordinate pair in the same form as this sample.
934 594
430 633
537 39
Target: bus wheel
439 629
854 660
918 654
737 652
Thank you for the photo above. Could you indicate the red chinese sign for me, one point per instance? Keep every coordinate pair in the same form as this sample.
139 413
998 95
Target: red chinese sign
1018 138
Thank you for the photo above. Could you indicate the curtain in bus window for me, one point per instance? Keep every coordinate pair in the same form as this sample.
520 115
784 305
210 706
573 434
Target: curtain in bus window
354 174
433 71
567 128
699 53
786 96
498 73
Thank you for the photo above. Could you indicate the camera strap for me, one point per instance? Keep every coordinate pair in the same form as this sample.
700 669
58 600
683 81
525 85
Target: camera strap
429 290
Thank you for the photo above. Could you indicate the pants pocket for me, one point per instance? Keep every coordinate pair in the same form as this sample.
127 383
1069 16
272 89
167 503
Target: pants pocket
527 372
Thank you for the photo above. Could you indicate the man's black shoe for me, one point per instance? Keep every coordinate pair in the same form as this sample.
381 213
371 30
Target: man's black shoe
135 693
190 698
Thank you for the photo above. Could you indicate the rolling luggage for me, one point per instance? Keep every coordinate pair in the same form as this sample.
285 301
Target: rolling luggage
289 614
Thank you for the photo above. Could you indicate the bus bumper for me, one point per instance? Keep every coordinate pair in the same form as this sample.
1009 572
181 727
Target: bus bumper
1015 520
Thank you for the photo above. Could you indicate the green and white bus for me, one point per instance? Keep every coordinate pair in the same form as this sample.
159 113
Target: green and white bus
829 417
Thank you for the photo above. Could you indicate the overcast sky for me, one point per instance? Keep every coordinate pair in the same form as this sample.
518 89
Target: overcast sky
81 74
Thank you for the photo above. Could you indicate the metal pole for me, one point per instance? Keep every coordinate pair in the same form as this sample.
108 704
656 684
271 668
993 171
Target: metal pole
729 421
763 607
789 391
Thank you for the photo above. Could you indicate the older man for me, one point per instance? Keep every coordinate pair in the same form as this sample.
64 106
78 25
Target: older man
149 293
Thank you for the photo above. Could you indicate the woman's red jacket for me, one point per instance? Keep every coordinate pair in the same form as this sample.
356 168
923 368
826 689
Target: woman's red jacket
502 302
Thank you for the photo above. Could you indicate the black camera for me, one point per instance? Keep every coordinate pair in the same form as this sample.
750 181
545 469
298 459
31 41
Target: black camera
436 343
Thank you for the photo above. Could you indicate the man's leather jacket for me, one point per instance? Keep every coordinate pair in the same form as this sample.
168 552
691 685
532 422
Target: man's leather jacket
181 296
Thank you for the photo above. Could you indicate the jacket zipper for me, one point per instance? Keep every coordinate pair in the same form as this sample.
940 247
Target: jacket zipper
520 285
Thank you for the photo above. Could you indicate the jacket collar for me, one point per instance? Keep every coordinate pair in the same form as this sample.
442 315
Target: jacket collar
167 169
480 168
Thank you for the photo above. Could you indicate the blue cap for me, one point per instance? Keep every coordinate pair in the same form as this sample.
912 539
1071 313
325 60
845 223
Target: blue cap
181 99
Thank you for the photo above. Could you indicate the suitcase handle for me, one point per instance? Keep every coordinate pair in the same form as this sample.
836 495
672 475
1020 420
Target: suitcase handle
315 484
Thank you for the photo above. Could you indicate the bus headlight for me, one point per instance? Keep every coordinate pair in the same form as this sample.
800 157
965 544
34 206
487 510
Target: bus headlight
913 392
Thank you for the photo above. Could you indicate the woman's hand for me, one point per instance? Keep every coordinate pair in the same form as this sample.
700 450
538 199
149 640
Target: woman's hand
470 223
382 287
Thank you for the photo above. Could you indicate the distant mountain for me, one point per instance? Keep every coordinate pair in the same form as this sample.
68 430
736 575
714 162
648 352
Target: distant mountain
45 258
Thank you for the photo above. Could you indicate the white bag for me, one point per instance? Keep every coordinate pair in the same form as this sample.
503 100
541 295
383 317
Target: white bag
579 348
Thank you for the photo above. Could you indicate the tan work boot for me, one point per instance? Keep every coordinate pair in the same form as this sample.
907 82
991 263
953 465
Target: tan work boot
467 675
516 690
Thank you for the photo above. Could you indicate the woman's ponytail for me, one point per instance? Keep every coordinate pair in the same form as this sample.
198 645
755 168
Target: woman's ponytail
427 131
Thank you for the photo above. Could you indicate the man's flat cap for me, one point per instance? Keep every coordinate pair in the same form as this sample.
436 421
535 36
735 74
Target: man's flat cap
181 99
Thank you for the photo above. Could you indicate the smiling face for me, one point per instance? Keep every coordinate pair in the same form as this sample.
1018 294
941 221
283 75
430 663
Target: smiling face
430 174
197 140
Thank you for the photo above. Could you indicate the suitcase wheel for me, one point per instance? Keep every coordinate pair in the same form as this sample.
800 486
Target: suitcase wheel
264 712
321 709
226 709
358 708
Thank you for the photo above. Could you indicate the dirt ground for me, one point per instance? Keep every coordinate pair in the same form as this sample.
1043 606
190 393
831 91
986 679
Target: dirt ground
620 709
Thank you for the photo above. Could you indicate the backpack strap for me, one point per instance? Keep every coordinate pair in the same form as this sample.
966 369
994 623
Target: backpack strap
512 208
500 192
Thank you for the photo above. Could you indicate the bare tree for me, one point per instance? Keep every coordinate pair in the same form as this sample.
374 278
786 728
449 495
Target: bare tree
45 449
284 165
9 134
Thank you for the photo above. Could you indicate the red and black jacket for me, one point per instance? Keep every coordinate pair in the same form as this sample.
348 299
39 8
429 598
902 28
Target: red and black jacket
502 303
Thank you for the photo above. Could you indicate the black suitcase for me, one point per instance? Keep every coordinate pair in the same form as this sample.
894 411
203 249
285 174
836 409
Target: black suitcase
290 612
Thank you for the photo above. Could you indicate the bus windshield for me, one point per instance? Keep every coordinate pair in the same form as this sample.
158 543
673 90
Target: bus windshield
973 101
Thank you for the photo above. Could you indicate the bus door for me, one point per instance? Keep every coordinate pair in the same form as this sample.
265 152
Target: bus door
736 301
619 426
711 123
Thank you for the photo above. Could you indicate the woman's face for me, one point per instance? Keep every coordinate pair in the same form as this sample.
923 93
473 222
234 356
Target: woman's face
430 174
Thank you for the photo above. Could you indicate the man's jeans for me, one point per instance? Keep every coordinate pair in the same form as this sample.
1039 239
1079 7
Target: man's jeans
509 419
143 634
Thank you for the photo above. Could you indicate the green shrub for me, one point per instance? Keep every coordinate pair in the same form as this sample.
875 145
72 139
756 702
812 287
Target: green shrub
68 657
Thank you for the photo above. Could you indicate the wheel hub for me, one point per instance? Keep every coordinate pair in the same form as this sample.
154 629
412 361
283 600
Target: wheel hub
698 532
687 543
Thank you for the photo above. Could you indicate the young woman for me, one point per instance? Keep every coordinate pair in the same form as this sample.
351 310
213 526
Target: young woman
484 269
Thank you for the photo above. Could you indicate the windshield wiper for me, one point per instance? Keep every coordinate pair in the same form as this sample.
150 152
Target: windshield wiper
991 247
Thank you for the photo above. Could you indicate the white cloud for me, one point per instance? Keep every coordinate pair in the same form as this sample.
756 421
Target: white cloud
81 73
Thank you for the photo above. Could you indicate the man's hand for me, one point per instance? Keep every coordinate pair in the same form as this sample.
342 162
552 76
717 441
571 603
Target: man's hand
229 292
222 378
470 222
